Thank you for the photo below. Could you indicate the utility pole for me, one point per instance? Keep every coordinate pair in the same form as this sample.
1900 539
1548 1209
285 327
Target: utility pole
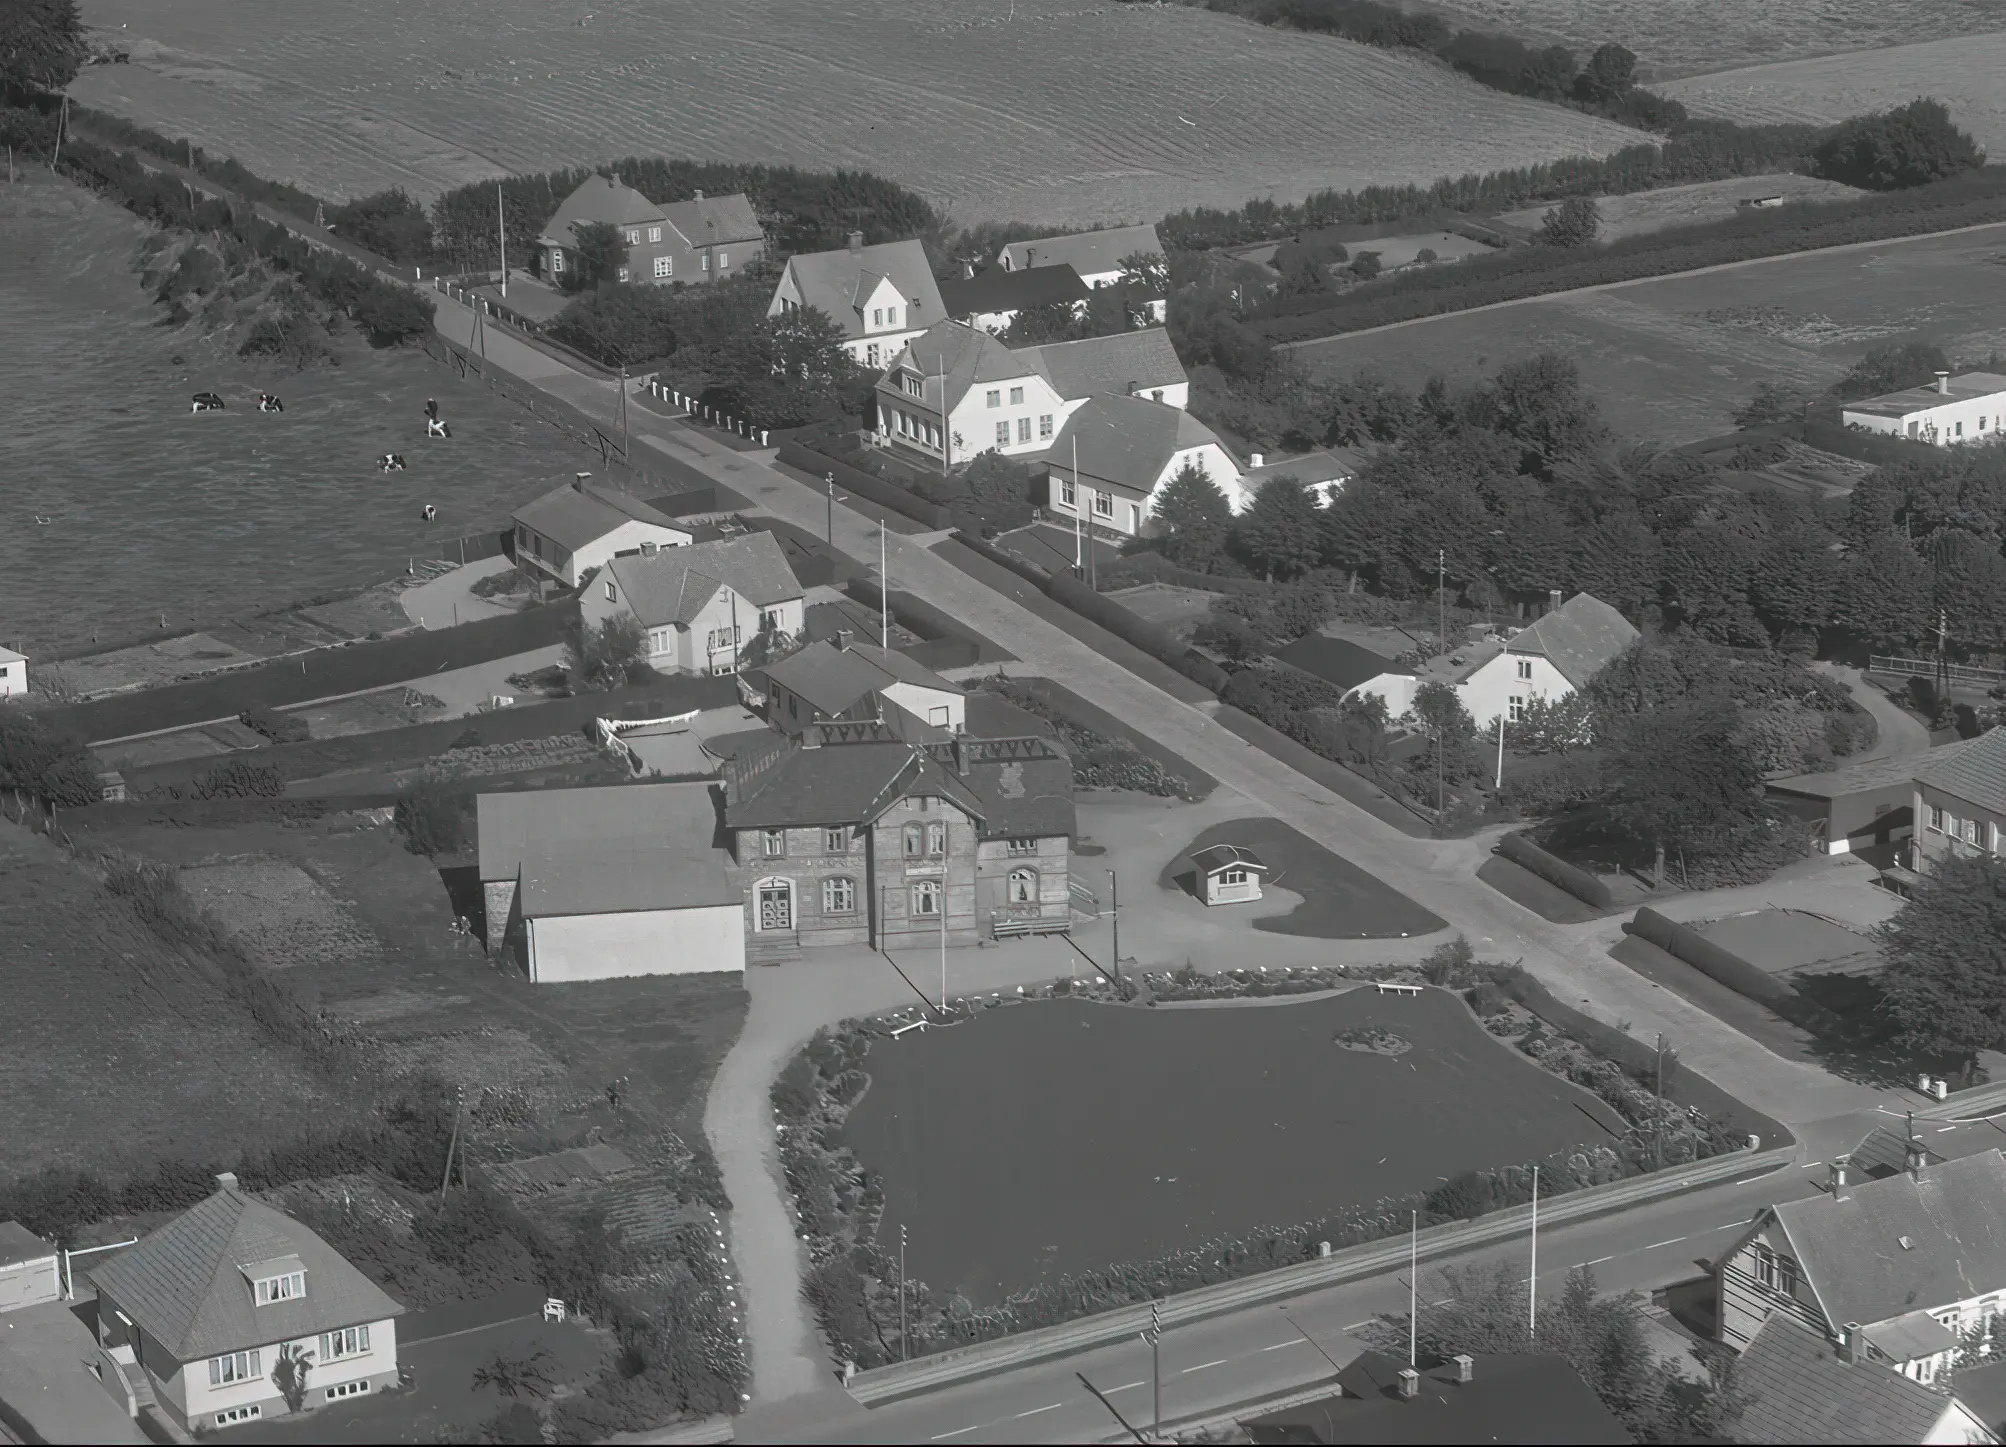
1500 779
943 938
884 592
1413 1285
1441 641
829 478
905 1343
501 235
625 453
1532 1286
1114 913
946 442
1661 1100
1154 1336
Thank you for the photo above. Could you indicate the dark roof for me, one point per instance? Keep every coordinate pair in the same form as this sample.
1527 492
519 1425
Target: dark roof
673 585
1983 1392
1127 441
624 880
1226 856
792 785
1797 1388
1090 253
839 283
998 290
1581 637
602 199
1121 363
991 716
957 355
1529 1399
576 513
18 1244
1898 770
186 1286
1976 773
1023 798
1890 1246
1337 660
514 828
830 679
1918 1334
714 220
1884 1152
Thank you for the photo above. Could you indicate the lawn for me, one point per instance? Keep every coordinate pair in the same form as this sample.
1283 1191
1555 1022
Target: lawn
1785 941
1139 1132
1671 359
1645 211
1340 900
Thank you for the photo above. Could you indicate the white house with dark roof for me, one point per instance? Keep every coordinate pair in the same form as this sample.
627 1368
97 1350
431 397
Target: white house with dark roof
13 672
1141 363
1960 799
1095 255
579 526
1796 1385
1970 407
701 239
1898 1268
207 1305
955 391
880 297
609 883
1115 454
992 298
702 604
824 683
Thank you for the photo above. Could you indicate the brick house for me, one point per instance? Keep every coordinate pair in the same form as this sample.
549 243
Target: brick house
705 238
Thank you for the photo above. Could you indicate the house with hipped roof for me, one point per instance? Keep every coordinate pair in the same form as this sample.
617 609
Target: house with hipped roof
1796 1385
989 300
580 526
701 605
846 681
1897 1269
1096 256
698 239
880 297
218 1306
1960 800
1115 455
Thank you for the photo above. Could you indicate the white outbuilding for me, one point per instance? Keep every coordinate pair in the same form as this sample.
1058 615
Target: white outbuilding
13 673
1970 407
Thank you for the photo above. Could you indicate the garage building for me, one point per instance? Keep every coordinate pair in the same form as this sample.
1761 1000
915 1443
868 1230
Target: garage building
29 1270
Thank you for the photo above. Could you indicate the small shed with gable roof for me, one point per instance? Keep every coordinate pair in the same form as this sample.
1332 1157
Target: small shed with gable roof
1228 874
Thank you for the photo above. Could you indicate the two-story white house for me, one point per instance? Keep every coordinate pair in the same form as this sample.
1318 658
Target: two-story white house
1116 454
580 526
1095 255
1970 407
1897 1268
700 605
232 1304
956 391
1960 800
880 297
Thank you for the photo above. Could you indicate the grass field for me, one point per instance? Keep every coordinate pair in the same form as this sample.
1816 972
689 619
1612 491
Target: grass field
1047 110
1139 1130
1340 900
1962 73
1669 360
1668 206
1675 36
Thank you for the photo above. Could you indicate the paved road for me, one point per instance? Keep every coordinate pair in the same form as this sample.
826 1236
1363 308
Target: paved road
1901 734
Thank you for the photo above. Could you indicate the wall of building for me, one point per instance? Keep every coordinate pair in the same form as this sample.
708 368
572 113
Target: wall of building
1744 1303
1051 858
806 862
196 1402
1490 690
1957 420
707 939
1937 836
945 707
30 1283
13 677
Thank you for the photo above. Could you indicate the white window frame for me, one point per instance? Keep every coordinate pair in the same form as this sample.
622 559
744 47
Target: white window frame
1936 819
877 316
1016 396
914 386
723 260
356 1388
270 1290
928 899
1525 668
1104 504
654 233
234 1367
936 840
556 260
1518 708
706 261
249 1412
344 1342
1970 835
633 236
773 844
891 316
1044 425
939 715
1023 429
1233 875
1003 433
612 593
622 274
665 266
1067 497
836 841
839 895
992 398
912 842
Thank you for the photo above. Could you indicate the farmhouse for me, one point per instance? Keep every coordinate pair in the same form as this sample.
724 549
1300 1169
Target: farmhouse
607 883
702 604
1970 407
1096 255
955 391
570 531
880 297
1800 1387
1228 874
991 299
1116 453
1959 801
698 240
211 1304
1895 1269
13 672
1489 1398
845 682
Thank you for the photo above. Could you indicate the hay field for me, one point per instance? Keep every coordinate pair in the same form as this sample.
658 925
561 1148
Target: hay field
1669 206
1688 36
1669 360
1049 110
1963 73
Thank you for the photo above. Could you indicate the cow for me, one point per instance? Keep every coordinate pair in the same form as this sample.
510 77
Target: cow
429 513
207 402
269 402
391 462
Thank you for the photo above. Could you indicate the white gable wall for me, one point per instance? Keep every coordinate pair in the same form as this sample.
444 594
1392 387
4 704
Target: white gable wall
1491 690
929 703
703 939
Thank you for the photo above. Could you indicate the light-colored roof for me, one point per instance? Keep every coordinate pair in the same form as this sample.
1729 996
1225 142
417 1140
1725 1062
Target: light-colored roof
185 1285
1871 774
1953 1219
673 585
832 281
1795 1387
599 879
1227 856
8 655
1907 1337
1118 364
1965 387
957 354
714 220
1975 773
1581 637
1090 253
998 290
46 1356
1127 441
533 823
575 514
601 199
18 1244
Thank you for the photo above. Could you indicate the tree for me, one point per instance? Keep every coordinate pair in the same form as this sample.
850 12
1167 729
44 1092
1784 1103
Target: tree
1047 321
1795 579
620 324
1891 368
1944 983
1771 403
605 657
600 253
1574 222
769 645
1970 586
1682 779
1883 598
435 815
1452 737
44 762
518 1422
1365 265
1146 271
290 1366
1911 145
1194 517
388 223
1281 533
787 371
512 1377
1608 76
1538 402
41 45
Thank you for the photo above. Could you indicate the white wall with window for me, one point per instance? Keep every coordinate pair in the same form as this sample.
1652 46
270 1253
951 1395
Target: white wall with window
232 1387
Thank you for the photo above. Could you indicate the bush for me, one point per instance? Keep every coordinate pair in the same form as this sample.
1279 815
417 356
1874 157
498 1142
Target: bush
280 728
1555 870
1574 222
609 656
1912 145
388 223
436 816
43 761
620 324
1156 641
239 779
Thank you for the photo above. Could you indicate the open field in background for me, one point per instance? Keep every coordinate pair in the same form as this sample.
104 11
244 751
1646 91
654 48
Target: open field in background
1645 211
1679 36
1669 360
990 110
151 509
1962 73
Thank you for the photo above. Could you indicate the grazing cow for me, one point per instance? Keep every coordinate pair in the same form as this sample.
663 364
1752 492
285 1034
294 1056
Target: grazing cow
430 512
207 402
268 402
391 462
435 427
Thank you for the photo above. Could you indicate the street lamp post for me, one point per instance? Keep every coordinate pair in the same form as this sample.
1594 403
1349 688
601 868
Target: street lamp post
1154 1336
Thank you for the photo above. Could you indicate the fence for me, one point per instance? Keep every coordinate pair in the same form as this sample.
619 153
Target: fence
487 306
1928 668
702 412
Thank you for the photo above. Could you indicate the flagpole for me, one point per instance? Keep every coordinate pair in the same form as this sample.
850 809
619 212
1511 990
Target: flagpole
884 593
501 235
1079 507
1500 781
1532 1294
1413 1289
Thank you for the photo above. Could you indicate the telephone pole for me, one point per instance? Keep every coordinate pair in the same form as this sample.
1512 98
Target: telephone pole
1154 1336
1114 913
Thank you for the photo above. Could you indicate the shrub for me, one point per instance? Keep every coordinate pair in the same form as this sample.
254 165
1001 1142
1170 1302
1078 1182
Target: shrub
436 815
1911 145
280 728
1574 222
45 762
239 779
388 223
607 656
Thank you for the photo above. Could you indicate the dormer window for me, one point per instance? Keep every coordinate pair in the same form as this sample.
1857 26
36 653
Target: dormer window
274 1281
914 386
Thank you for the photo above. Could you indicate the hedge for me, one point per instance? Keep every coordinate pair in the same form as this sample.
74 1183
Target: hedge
915 613
1158 642
1555 870
1863 446
861 484
1730 969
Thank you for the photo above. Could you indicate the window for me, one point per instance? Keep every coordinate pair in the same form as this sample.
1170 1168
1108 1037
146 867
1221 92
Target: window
723 638
839 896
633 236
346 1389
1777 1273
915 841
1023 886
289 1287
1023 846
1936 819
926 897
891 316
773 843
769 620
913 386
1023 429
706 261
940 716
612 593
1525 668
872 355
1517 707
658 641
665 266
1045 425
235 1367
836 841
723 260
877 316
556 261
1104 504
1016 396
350 1341
1235 875
936 839
239 1414
1003 433
992 398
1970 831
1065 494
654 233
1960 429
621 274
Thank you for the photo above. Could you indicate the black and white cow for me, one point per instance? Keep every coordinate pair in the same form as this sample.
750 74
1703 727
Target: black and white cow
207 402
391 462
269 402
429 513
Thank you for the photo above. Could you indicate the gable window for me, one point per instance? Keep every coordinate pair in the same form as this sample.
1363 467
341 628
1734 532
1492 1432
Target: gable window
1045 425
1517 707
289 1287
993 398
1525 668
633 236
839 896
612 593
769 620
1960 429
1104 504
914 841
1023 846
654 233
1016 396
836 841
773 843
236 1367
556 261
1023 886
723 260
665 266
877 316
621 275
1774 1272
891 316
936 839
350 1341
1003 433
926 898
1235 875
1023 429
913 386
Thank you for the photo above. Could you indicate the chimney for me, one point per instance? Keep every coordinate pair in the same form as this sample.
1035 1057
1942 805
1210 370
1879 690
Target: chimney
1255 459
1912 1149
699 195
1030 256
1849 1343
1943 383
1466 1366
1841 1168
1410 1383
844 638
226 1180
960 756
1553 600
811 737
578 484
856 241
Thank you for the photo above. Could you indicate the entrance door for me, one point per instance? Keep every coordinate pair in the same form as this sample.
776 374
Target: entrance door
776 905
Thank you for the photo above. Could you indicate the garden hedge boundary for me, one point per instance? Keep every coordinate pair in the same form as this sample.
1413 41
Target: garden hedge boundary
1159 643
1555 870
861 484
1830 435
929 622
1716 962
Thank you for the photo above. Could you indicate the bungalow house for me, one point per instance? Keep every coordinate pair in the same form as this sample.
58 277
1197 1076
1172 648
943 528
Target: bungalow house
608 883
955 391
880 297
571 531
1095 255
825 683
1795 1385
700 605
1970 407
13 672
990 300
698 240
1896 1269
1554 657
1960 799
235 1312
1116 453
1141 363
1323 471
